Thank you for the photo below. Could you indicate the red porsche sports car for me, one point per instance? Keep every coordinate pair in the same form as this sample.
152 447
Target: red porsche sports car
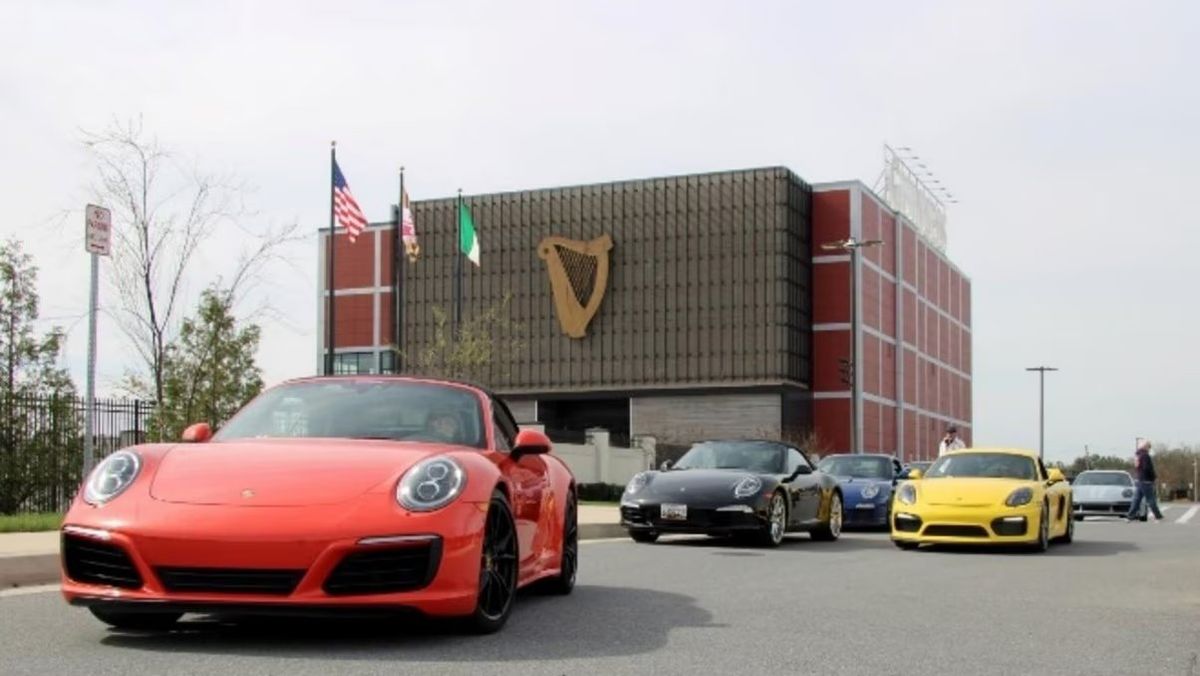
342 495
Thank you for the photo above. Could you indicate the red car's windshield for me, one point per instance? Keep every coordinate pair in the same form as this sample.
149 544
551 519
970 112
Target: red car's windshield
354 409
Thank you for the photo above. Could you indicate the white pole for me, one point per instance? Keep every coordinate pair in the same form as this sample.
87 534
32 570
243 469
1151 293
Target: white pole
90 402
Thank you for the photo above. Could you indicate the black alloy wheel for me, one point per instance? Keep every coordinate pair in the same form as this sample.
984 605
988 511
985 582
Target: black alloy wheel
497 568
565 581
138 621
773 530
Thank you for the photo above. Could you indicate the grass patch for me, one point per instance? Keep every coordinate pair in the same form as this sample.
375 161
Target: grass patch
30 523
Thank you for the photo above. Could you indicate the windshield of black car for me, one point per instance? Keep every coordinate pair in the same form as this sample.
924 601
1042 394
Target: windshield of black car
1103 479
858 467
985 466
354 409
754 456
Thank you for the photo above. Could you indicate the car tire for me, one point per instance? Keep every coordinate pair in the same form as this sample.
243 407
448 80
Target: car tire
644 536
564 582
1042 543
124 619
1079 517
1069 536
905 545
832 528
497 569
775 528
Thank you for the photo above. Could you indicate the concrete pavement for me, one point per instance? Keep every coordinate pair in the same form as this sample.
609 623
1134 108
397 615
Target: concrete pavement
32 558
1123 599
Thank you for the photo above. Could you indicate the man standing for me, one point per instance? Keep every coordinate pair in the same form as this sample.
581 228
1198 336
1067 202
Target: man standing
1145 476
950 442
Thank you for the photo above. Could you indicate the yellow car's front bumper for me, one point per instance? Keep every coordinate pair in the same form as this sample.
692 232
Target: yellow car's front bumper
954 524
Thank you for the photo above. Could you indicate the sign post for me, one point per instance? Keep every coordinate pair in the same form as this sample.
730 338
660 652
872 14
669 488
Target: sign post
97 241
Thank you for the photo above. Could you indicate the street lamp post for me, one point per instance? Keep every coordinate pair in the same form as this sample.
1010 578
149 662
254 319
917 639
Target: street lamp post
1041 406
1195 481
852 246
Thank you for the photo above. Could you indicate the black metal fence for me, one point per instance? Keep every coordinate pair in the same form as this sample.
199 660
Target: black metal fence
41 446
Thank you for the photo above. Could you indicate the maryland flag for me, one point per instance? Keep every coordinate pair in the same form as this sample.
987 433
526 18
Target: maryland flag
408 230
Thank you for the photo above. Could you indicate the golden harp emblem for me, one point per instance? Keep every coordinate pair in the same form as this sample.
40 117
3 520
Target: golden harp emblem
578 277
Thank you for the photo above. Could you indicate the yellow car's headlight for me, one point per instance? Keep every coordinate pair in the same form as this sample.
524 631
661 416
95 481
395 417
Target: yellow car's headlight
907 494
1021 496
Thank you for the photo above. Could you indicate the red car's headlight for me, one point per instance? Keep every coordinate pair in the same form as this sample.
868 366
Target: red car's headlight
111 477
431 484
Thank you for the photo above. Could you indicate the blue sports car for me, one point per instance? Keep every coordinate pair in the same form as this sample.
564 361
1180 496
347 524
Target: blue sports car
867 482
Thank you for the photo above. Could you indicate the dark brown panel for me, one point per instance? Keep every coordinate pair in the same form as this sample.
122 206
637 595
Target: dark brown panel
708 284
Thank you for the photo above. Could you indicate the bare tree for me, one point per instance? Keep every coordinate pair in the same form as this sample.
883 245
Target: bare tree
472 353
163 214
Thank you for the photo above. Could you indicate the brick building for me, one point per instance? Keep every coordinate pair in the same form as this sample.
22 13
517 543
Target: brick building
719 315
914 322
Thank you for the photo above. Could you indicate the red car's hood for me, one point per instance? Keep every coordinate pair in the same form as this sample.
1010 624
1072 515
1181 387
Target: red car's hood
282 472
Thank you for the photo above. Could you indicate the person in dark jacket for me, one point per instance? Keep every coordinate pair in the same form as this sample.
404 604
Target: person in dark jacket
1145 478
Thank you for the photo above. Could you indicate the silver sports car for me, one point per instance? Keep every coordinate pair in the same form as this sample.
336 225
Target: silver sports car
1099 492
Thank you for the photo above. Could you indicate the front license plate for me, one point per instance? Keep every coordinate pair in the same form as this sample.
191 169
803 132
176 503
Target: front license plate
673 512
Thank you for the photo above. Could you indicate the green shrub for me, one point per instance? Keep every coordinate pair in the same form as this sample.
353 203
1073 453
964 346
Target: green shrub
600 492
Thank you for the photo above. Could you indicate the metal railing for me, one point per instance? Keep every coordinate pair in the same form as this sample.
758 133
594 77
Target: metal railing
41 446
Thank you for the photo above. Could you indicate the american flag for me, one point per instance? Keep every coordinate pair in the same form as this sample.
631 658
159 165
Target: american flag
345 208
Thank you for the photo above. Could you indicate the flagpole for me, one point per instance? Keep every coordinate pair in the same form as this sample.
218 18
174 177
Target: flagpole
329 333
458 269
398 270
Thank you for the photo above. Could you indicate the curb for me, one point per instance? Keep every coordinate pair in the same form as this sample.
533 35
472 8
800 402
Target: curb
35 569
30 569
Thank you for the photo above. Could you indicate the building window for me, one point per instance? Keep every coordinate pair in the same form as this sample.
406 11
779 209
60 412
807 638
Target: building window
387 362
353 363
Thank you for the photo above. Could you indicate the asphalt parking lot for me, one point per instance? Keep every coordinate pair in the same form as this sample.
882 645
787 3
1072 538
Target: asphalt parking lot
1124 599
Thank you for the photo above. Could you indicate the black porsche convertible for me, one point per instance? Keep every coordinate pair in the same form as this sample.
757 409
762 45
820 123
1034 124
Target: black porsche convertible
749 489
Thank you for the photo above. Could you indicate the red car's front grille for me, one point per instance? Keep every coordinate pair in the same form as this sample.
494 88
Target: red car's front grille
384 571
95 562
274 582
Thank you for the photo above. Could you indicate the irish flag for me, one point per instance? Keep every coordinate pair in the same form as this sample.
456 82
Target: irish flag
468 241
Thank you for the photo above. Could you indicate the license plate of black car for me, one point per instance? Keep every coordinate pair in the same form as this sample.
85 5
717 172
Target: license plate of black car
673 512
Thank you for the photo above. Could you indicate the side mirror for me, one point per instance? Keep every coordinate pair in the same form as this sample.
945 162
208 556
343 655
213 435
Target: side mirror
666 465
531 442
197 433
802 469
1056 475
913 474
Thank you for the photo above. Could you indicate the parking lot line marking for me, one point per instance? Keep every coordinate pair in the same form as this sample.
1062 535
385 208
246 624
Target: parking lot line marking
1187 516
23 591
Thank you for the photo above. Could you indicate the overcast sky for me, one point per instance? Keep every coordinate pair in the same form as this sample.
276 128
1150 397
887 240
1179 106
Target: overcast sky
1068 130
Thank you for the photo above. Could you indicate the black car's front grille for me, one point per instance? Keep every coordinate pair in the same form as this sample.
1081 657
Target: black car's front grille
95 562
956 531
385 571
268 581
1009 528
633 515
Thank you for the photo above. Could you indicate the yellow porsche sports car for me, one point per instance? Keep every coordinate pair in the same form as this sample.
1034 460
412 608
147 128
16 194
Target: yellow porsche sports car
983 496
